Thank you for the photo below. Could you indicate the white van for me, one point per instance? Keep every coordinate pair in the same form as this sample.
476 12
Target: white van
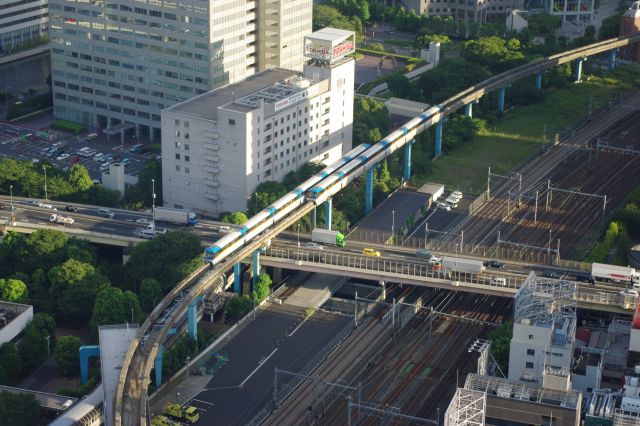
499 281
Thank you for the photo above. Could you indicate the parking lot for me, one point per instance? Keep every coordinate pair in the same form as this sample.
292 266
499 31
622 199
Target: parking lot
28 144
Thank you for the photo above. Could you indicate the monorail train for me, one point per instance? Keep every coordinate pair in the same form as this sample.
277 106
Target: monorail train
274 212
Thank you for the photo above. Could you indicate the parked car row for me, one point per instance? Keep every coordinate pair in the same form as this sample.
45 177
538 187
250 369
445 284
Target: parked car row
451 202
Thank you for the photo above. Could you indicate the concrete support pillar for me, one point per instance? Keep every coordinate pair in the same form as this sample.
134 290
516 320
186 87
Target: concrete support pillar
314 218
468 110
158 366
122 137
539 80
368 191
438 148
151 134
87 352
406 169
277 275
256 268
578 70
328 205
501 94
237 278
612 58
384 290
192 317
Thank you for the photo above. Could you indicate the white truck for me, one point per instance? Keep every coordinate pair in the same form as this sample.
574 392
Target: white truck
326 236
60 219
618 274
148 234
457 264
175 216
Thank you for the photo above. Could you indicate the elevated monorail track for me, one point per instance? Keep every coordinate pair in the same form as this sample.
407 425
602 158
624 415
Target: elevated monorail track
131 393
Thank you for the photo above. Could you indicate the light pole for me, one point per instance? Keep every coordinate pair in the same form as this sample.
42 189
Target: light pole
11 194
153 206
48 337
45 183
393 222
132 315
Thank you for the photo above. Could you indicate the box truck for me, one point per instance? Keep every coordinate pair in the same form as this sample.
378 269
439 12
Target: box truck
176 216
326 236
457 264
618 274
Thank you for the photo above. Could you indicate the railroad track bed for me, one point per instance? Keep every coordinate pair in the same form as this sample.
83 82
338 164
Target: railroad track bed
570 217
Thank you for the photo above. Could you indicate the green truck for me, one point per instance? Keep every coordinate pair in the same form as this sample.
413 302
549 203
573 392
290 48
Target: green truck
187 414
326 236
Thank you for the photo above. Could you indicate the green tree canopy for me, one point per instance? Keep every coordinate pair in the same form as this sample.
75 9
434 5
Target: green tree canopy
19 409
450 77
500 344
67 354
494 52
150 294
262 286
13 290
79 178
167 259
236 218
327 16
113 306
543 24
33 347
10 364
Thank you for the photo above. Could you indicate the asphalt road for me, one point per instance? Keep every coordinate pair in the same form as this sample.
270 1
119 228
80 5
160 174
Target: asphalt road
394 211
245 384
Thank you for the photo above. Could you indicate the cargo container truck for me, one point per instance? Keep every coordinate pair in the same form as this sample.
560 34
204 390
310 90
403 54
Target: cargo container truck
618 274
176 216
457 264
327 236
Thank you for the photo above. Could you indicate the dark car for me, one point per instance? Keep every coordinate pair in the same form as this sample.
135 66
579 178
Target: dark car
551 274
494 264
586 278
71 209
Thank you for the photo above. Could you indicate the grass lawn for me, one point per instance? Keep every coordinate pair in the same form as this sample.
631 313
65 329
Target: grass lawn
520 132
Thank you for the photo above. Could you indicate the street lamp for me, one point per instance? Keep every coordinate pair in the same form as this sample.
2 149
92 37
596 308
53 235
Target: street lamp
45 182
153 206
11 193
48 337
393 222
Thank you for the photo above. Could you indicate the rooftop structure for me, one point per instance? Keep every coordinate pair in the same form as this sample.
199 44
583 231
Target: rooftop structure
14 317
466 408
543 332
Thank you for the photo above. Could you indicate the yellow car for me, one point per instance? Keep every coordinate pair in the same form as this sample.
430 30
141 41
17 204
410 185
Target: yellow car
370 252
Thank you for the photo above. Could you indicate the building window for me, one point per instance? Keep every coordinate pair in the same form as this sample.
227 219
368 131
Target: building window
187 170
531 337
529 365
531 352
232 122
177 122
177 156
186 147
177 168
186 158
177 144
186 124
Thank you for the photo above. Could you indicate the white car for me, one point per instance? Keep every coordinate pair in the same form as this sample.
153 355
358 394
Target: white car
444 206
144 220
629 292
314 245
457 194
48 206
98 156
63 156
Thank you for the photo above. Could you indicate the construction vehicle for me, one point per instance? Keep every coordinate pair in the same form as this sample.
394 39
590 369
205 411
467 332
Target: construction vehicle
163 421
187 414
60 219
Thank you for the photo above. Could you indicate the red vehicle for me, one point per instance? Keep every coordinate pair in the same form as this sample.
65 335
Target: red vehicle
75 159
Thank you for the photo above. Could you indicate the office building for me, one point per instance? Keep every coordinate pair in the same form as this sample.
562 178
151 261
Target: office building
544 327
117 64
478 11
22 21
219 146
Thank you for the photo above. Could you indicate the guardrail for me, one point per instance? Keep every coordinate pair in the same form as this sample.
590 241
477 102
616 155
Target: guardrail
29 227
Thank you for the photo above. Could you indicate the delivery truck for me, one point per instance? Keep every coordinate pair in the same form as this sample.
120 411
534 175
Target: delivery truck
176 216
457 264
326 236
60 219
618 274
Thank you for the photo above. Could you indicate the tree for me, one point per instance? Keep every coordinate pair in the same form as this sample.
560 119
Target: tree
77 299
238 307
67 354
327 16
610 27
263 283
40 250
236 218
33 347
10 364
113 306
19 409
79 178
543 24
500 344
493 52
150 294
13 290
167 259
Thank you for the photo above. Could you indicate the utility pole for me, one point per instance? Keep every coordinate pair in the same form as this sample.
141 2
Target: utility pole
535 212
153 206
45 183
489 184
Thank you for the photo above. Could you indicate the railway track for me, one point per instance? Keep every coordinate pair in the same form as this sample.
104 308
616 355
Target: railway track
566 168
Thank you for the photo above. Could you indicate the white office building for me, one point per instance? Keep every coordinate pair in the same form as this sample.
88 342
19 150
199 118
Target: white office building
219 146
22 21
544 327
116 64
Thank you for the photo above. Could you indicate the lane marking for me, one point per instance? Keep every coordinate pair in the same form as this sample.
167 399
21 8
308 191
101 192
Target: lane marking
260 364
203 402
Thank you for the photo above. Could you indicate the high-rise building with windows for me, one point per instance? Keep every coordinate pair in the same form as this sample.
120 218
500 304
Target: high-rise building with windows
219 146
117 63
22 21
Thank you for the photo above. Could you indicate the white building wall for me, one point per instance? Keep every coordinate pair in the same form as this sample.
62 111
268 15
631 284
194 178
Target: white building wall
15 327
